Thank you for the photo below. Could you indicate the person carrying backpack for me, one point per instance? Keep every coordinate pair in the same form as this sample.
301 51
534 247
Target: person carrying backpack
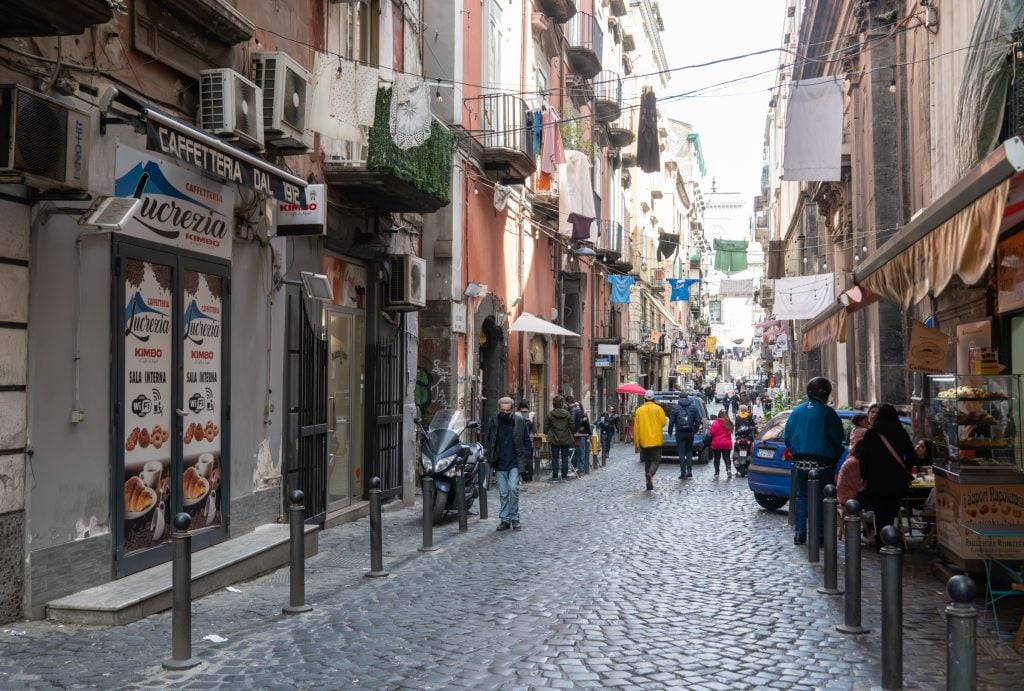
684 422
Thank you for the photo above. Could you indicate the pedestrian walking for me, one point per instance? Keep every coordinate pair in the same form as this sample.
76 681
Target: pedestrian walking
726 400
523 410
849 483
583 433
734 403
558 430
684 422
886 456
814 436
575 411
720 433
509 448
648 423
606 425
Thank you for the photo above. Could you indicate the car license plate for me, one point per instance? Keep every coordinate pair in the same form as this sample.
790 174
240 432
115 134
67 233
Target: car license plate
765 452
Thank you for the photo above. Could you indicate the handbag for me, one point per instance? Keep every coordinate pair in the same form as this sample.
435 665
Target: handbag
899 460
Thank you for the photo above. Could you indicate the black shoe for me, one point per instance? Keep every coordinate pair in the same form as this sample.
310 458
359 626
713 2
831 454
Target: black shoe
689 476
516 526
799 539
554 479
504 525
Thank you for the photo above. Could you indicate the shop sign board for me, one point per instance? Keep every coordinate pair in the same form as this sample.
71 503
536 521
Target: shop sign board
303 219
927 352
991 505
458 317
179 208
605 361
348 281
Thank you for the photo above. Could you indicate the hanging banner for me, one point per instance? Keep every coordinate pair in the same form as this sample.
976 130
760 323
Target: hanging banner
711 344
927 352
608 349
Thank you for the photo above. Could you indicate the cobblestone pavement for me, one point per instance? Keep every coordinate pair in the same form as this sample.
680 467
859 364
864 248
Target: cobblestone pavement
689 586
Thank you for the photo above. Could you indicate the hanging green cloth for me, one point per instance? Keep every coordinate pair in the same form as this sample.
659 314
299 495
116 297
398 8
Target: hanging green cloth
695 255
730 256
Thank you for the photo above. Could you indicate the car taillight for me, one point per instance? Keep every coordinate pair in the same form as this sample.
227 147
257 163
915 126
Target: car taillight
786 455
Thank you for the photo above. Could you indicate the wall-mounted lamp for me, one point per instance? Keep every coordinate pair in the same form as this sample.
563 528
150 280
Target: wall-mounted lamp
474 290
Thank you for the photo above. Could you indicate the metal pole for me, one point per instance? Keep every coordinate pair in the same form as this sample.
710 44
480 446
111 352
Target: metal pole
376 533
181 595
604 451
482 480
460 495
831 586
428 515
961 635
892 609
851 614
813 513
791 515
297 580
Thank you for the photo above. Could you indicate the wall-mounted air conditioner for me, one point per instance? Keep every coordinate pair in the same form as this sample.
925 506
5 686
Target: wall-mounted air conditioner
43 142
231 106
407 289
286 93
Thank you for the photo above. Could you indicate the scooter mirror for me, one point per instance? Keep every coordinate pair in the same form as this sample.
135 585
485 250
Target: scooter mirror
472 425
417 421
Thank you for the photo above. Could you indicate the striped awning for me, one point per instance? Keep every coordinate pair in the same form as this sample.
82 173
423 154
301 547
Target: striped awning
828 328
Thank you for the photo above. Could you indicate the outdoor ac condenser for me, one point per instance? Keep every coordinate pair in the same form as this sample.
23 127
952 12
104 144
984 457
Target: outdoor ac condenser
43 142
286 93
407 289
231 106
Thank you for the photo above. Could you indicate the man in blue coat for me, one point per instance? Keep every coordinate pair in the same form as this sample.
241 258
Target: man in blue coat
814 436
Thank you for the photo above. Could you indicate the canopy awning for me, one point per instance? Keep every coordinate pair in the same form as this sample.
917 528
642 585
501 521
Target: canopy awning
534 324
828 327
955 234
661 308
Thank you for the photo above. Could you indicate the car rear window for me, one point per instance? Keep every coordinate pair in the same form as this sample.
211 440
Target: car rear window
775 427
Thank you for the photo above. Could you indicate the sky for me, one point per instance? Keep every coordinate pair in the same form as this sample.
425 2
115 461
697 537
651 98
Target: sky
731 120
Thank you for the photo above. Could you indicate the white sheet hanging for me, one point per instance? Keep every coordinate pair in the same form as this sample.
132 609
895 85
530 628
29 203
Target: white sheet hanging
332 110
813 148
803 297
575 191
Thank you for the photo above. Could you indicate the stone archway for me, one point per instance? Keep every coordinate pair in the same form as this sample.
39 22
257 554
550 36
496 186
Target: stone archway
492 359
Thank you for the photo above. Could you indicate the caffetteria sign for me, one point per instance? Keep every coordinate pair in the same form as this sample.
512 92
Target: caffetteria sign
179 208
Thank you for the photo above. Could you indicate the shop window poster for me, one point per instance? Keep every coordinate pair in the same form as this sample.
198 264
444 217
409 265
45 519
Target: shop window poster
1010 274
202 396
148 352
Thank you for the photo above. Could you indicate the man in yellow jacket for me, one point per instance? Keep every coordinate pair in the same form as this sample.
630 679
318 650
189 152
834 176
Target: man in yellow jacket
647 423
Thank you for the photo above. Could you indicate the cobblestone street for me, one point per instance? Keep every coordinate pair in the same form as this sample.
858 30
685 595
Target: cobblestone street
689 586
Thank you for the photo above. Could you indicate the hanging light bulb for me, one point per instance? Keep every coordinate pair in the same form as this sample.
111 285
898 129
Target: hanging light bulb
892 86
1020 50
805 260
864 249
856 257
437 93
476 190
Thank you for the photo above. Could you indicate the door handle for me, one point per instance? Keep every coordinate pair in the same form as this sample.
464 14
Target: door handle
331 419
180 412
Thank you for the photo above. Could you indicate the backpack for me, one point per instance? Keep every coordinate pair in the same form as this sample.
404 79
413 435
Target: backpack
686 424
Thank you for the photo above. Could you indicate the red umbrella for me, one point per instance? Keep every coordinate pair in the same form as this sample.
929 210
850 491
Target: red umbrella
631 388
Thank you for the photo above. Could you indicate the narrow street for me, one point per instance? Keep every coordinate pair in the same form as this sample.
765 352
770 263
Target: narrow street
689 586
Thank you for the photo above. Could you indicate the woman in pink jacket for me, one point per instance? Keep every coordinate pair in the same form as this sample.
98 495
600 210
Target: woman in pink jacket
721 441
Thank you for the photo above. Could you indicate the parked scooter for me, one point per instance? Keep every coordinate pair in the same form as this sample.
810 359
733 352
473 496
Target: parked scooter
741 453
444 455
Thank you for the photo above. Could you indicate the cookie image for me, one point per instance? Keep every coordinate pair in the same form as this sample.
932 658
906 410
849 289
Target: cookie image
188 433
144 438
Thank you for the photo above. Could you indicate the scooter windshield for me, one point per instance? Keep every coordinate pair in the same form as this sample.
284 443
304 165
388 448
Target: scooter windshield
445 428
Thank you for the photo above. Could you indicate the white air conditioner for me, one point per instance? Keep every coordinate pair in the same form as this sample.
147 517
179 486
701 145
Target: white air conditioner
407 290
286 93
43 142
231 106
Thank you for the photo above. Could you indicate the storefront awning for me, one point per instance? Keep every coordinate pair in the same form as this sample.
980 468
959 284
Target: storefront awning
827 327
956 234
533 324
661 308
183 142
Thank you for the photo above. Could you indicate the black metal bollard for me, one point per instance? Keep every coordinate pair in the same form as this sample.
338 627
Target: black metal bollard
813 513
791 508
297 579
460 495
428 515
376 533
482 479
828 505
851 608
892 609
604 454
961 635
181 596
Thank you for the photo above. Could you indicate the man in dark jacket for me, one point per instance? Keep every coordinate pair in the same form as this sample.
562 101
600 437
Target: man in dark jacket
558 429
814 436
508 448
684 421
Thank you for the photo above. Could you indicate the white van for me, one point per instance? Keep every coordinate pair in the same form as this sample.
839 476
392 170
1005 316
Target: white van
723 388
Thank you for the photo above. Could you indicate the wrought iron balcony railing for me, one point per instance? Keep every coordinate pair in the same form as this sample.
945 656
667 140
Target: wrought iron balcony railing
586 41
560 11
607 96
505 137
609 240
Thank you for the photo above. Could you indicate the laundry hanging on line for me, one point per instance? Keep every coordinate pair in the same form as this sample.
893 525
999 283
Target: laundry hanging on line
344 98
552 152
803 297
680 288
648 149
621 285
575 195
813 150
730 256
410 111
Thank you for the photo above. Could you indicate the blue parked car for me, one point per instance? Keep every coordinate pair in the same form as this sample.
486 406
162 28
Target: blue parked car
771 463
669 450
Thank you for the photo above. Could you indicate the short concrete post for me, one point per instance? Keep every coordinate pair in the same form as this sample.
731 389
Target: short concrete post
831 586
813 516
181 595
482 471
297 580
460 495
851 608
961 636
428 515
376 532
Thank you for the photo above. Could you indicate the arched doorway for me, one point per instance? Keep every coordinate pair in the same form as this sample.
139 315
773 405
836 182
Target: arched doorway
538 384
492 367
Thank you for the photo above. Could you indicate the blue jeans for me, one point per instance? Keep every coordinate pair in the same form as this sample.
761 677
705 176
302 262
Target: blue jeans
508 491
607 433
826 476
684 447
560 454
583 454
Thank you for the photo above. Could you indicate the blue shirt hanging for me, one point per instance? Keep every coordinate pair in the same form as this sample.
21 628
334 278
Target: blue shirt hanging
681 288
620 288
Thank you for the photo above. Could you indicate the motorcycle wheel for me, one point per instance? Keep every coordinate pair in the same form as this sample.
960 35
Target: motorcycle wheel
440 504
703 456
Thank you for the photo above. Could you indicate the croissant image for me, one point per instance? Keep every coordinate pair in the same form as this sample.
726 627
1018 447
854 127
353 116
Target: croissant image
136 497
192 485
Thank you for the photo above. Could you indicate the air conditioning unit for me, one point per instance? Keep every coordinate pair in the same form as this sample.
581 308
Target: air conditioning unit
407 290
43 142
231 106
286 93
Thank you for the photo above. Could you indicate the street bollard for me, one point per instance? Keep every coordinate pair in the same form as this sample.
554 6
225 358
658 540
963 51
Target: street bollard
813 514
791 508
297 580
428 515
482 479
376 533
181 596
961 635
604 455
851 609
460 495
892 609
831 586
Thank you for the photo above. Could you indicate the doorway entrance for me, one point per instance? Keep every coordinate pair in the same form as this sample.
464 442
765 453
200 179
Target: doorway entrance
345 402
492 367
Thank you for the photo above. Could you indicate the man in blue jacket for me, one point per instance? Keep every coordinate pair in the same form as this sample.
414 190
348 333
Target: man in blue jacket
814 436
684 421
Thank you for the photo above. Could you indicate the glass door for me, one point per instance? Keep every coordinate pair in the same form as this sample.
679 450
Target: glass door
344 407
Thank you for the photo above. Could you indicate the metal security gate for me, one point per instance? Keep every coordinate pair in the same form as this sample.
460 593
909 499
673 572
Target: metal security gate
388 397
307 406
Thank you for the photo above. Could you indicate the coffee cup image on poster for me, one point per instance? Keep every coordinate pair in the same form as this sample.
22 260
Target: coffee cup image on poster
148 351
202 301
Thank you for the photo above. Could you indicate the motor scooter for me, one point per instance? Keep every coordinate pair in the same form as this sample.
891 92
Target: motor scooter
741 454
444 455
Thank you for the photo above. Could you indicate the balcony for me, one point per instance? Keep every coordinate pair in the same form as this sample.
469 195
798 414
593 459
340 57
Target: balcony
560 11
583 32
607 97
620 137
505 139
618 8
69 18
393 180
609 240
581 91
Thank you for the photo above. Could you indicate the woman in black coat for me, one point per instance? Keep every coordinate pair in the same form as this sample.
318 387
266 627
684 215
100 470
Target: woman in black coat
885 470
